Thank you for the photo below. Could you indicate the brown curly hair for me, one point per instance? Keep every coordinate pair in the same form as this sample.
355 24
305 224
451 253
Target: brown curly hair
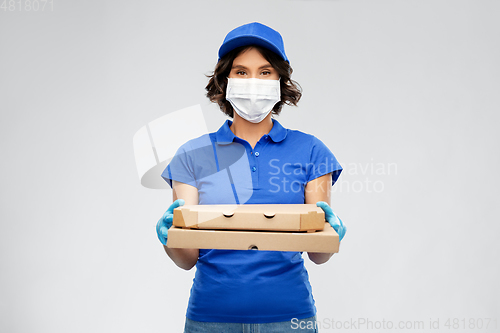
291 92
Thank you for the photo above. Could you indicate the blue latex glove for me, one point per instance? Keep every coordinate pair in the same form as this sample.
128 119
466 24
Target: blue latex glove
166 221
333 219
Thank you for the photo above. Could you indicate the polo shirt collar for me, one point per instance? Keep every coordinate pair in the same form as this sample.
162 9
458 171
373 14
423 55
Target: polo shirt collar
225 136
278 132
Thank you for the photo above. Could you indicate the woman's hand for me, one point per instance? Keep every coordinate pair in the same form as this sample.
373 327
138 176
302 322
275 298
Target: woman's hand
333 219
166 221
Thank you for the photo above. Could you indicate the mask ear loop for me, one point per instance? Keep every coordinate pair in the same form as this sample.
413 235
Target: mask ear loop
279 81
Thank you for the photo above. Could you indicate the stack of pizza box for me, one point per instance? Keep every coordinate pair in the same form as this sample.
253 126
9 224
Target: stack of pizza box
271 227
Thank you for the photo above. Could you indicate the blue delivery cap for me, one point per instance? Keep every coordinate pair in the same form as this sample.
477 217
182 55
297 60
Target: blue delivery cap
254 34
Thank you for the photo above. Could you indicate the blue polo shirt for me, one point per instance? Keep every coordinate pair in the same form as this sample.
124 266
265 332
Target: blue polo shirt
251 286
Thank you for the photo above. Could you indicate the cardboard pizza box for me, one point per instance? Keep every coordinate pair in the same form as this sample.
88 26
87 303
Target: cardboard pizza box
272 217
326 240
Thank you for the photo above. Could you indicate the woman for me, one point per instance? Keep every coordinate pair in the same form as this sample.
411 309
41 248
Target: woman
251 160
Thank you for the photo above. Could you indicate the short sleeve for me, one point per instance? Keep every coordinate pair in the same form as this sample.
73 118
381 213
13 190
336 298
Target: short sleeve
181 167
322 162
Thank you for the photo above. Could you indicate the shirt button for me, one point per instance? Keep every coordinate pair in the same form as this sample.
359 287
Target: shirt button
254 168
256 153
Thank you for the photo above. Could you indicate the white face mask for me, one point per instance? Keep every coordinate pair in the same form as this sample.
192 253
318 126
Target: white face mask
253 99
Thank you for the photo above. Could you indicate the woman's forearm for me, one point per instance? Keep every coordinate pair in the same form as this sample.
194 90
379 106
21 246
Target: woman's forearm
184 258
319 258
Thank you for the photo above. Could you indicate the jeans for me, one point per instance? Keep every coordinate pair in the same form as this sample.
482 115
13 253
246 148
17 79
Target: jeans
295 325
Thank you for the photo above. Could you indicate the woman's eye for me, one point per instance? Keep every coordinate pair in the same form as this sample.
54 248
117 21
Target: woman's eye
240 73
266 73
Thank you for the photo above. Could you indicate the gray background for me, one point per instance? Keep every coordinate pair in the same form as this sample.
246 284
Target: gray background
405 93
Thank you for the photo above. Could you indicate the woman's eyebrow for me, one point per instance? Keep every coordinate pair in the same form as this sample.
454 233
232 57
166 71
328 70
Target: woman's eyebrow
265 66
239 66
